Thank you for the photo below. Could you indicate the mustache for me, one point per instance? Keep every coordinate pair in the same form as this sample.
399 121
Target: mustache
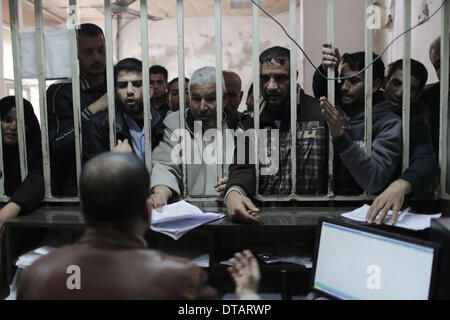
97 64
204 113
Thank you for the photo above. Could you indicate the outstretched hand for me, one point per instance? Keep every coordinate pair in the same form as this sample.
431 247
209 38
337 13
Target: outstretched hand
245 272
391 199
331 115
123 146
330 57
240 208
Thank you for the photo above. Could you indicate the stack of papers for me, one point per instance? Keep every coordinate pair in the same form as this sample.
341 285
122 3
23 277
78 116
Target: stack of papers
406 219
192 249
23 262
180 217
28 258
303 261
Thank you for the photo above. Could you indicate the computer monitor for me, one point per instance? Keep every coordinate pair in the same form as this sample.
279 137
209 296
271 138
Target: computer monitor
360 262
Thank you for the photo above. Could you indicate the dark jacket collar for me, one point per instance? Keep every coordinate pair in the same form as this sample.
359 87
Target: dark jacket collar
121 124
267 120
85 85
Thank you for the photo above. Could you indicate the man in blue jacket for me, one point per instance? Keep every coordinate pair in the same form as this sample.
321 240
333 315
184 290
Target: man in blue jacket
423 171
130 134
355 170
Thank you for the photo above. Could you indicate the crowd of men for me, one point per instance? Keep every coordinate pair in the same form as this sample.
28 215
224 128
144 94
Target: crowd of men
355 171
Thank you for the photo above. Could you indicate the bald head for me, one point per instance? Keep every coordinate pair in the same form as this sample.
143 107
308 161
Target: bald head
114 188
233 85
435 56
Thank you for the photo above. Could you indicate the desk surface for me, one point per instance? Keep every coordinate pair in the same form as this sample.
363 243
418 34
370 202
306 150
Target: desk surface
283 216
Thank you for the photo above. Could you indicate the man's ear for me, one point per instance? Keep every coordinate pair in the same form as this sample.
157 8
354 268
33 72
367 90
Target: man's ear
376 85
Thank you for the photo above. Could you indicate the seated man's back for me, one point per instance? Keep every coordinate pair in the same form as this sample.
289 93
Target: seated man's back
112 266
111 260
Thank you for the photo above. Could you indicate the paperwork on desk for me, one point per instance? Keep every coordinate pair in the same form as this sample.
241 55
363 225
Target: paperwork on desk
28 258
180 217
303 261
406 219
23 262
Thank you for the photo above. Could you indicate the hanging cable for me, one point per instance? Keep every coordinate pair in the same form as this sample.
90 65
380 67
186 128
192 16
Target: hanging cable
364 69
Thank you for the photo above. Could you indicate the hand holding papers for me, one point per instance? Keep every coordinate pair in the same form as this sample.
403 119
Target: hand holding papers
405 220
178 218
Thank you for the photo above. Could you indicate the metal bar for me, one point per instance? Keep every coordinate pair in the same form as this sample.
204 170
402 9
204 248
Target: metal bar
302 42
444 97
40 63
201 199
60 199
368 75
2 176
13 13
146 88
20 13
256 93
119 29
290 198
180 51
110 75
331 93
406 81
181 71
313 198
2 79
293 89
76 98
445 196
219 90
2 86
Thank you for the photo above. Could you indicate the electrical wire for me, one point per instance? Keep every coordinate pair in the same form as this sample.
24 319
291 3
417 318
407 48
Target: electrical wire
354 75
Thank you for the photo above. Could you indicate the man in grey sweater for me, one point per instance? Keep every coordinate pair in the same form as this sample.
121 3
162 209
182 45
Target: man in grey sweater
371 173
202 170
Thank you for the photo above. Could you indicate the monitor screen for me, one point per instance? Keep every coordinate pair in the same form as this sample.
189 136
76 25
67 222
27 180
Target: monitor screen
355 264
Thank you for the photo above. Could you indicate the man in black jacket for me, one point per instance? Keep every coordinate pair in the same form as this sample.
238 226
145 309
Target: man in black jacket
158 89
130 133
93 99
423 171
311 141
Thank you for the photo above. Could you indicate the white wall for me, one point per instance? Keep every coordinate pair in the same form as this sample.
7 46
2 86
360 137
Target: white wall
421 37
237 38
349 30
199 43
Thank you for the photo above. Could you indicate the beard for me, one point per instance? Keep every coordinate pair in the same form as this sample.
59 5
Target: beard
277 106
132 110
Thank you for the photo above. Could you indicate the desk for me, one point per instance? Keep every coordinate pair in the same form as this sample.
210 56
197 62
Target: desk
276 226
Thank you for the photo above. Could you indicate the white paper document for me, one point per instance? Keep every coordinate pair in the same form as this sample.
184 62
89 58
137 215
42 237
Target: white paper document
303 261
180 217
28 258
23 262
406 219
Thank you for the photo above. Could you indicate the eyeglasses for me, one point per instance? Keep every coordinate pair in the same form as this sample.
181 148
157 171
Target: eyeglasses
124 84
